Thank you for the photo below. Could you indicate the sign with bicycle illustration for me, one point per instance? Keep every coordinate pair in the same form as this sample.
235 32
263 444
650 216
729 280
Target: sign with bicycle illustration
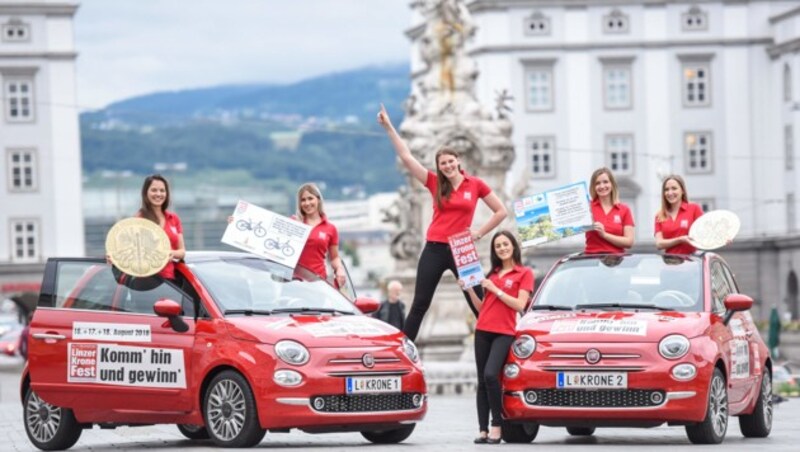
262 232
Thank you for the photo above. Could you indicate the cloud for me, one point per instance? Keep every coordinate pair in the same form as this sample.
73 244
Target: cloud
131 47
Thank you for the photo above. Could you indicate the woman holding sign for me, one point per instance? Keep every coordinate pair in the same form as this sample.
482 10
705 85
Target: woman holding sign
455 197
155 201
613 222
676 217
323 240
508 287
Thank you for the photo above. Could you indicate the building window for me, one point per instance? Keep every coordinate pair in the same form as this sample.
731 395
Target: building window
696 84
19 100
698 152
788 142
617 84
706 204
791 212
16 31
694 20
25 241
619 152
537 24
22 173
616 22
539 90
787 82
541 151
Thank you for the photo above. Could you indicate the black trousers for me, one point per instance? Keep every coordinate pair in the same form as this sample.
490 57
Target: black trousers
434 260
491 351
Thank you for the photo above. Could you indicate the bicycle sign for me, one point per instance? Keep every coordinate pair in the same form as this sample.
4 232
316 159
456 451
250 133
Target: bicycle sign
265 233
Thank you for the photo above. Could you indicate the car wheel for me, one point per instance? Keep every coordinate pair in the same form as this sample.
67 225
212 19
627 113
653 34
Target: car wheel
519 433
712 429
229 409
758 424
193 431
393 436
49 427
580 431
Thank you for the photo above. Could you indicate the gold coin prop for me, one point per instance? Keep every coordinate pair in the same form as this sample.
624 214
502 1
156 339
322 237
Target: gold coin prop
138 247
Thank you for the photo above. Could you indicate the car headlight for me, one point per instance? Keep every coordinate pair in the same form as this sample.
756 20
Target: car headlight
511 371
287 378
684 372
292 352
523 346
674 346
410 349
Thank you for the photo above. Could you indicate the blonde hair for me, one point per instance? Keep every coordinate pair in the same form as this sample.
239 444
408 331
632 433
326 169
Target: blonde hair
662 214
614 190
315 191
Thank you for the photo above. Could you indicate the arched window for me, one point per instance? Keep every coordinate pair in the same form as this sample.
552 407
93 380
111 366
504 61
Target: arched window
787 83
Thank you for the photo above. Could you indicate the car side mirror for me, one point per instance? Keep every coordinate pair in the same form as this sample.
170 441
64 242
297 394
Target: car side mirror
367 305
172 310
736 302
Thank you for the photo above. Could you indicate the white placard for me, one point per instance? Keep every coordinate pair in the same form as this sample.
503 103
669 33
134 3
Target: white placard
740 358
112 332
265 233
553 215
123 365
714 229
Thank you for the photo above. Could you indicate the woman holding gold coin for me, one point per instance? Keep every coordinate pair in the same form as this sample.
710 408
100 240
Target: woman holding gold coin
155 201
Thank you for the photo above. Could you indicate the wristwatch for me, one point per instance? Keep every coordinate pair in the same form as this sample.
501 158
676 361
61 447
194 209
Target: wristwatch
499 293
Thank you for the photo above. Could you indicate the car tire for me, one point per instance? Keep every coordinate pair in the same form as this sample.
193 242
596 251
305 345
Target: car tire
392 436
758 424
193 431
229 410
713 428
519 433
49 427
580 431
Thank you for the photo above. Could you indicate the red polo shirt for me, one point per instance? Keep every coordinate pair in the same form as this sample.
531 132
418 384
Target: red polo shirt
173 228
615 221
670 229
496 316
320 239
457 211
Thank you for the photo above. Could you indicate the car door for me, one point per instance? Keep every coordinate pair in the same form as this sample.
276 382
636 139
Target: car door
97 346
750 367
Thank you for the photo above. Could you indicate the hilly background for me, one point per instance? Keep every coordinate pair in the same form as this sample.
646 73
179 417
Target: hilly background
321 129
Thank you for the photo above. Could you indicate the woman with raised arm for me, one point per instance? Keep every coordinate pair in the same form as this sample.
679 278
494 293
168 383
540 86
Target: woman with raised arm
676 217
508 287
613 222
455 197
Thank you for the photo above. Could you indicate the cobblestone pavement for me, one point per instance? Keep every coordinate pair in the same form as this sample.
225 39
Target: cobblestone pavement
450 425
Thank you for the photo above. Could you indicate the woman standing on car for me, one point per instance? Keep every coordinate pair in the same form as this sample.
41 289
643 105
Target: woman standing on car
508 287
323 240
676 217
612 231
455 197
155 202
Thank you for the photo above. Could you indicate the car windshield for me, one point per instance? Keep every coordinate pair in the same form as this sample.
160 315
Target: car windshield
244 285
618 282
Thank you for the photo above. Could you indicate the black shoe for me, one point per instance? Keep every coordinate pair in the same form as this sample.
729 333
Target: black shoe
481 440
493 440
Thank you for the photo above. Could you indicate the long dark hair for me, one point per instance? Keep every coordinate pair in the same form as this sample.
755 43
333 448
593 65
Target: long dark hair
443 185
662 214
147 210
516 255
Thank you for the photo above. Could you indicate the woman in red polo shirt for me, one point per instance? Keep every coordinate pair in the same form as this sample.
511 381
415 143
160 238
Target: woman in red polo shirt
508 287
455 196
155 201
323 240
676 217
613 222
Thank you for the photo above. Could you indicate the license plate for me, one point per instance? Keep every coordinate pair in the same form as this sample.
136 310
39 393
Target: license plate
591 380
367 385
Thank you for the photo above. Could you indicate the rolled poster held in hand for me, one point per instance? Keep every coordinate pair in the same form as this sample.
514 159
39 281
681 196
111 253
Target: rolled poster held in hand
138 247
714 229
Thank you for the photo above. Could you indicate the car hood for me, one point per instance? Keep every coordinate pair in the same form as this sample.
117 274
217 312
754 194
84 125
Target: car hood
611 326
315 330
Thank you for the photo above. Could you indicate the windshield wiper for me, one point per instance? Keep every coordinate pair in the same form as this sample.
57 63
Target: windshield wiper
248 312
306 309
622 306
550 307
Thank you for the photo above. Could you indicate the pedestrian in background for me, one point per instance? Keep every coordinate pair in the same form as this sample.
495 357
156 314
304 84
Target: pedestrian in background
392 310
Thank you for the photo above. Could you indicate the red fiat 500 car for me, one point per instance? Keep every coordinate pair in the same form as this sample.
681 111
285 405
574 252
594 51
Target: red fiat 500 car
235 346
638 340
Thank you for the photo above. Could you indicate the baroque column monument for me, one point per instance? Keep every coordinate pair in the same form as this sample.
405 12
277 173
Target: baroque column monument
443 111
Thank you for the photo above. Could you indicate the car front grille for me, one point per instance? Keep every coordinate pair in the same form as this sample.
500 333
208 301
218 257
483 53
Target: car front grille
364 403
598 398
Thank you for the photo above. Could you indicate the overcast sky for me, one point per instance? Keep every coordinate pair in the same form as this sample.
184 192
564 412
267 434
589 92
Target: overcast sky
131 47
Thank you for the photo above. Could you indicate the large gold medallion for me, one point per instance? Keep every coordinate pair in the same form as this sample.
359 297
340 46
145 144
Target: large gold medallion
138 247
